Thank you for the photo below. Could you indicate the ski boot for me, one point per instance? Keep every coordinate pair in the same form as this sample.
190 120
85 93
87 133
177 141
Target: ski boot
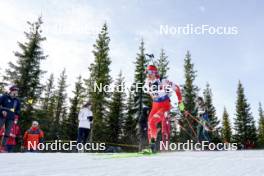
153 145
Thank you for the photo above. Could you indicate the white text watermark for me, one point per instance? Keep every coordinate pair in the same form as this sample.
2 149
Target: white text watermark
59 145
190 145
204 29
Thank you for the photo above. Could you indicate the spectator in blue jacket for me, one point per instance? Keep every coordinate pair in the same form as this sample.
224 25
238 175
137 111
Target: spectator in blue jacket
9 111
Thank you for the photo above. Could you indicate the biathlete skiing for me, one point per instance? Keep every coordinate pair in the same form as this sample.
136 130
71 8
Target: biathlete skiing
160 91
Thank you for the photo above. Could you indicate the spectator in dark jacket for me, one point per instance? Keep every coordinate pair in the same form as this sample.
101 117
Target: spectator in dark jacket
203 118
9 110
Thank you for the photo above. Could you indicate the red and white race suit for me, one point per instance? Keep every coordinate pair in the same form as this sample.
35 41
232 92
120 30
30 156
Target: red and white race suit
160 91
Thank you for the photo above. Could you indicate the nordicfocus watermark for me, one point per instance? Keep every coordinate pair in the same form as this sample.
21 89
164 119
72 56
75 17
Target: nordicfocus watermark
190 145
204 29
62 146
69 146
137 87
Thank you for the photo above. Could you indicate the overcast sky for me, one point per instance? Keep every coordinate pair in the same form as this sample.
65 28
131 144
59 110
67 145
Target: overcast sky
71 28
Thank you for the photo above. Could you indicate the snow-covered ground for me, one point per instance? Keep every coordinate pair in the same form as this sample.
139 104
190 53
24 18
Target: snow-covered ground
237 163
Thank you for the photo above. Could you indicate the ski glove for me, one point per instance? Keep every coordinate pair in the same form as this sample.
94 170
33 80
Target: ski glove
90 118
181 106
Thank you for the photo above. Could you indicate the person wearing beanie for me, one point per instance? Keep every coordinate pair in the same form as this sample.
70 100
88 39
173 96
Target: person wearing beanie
9 111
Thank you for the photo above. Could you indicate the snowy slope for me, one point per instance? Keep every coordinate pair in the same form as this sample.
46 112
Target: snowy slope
237 163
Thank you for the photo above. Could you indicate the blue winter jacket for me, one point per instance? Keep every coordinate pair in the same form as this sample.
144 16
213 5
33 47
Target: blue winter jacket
10 105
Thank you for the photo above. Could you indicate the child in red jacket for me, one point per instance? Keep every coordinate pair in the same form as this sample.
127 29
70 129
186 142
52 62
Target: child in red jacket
14 133
33 137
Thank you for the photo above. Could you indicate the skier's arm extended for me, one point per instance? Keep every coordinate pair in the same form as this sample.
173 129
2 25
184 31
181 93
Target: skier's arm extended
177 90
178 93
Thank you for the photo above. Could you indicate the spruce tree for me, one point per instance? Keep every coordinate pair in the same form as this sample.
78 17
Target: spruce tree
26 72
71 123
50 114
244 123
253 132
190 91
162 65
213 120
60 106
46 111
226 132
2 84
141 98
261 127
48 91
2 88
130 122
115 119
100 76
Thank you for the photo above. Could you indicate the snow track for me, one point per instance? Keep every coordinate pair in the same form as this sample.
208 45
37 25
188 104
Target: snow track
235 163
